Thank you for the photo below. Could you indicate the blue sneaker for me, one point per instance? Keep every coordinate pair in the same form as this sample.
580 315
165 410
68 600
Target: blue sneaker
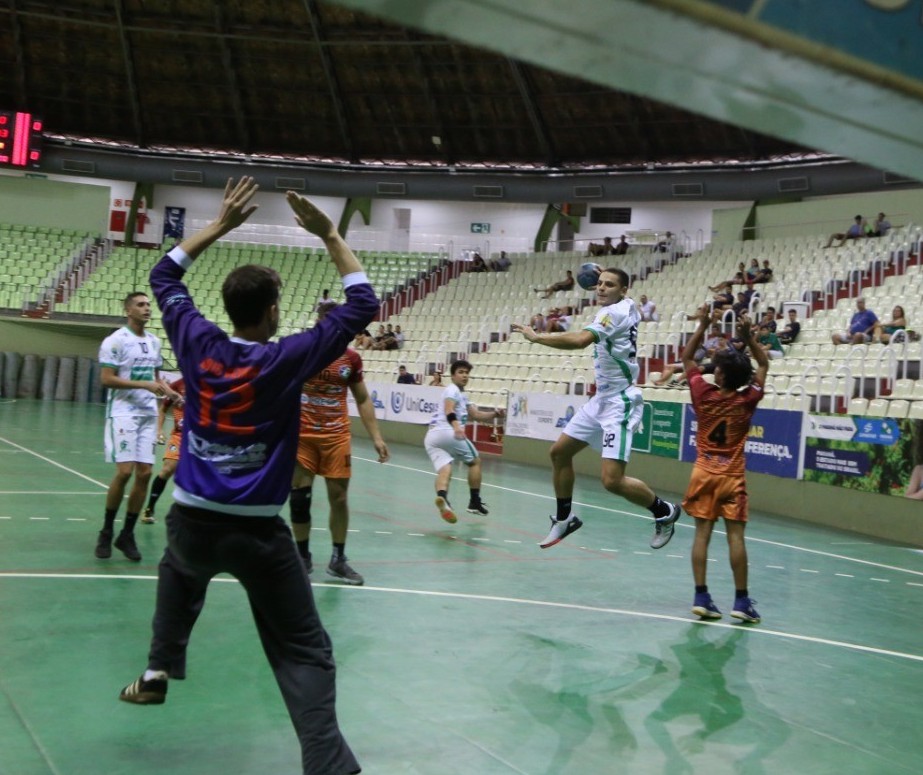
705 607
744 610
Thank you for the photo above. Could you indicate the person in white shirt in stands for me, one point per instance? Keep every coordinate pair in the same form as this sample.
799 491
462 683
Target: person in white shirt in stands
648 310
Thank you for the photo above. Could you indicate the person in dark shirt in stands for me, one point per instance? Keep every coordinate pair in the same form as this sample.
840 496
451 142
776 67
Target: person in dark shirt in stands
243 397
790 333
622 248
404 377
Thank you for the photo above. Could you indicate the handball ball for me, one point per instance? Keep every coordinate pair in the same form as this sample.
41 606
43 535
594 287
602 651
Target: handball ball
588 276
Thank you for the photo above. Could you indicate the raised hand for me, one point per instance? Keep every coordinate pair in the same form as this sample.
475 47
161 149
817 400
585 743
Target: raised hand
309 216
237 196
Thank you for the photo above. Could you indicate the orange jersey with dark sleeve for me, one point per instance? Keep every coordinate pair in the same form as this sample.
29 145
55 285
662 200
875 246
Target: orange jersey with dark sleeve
180 387
323 397
723 424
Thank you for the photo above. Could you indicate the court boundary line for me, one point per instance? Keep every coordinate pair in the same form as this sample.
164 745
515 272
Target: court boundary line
53 462
39 747
612 510
518 601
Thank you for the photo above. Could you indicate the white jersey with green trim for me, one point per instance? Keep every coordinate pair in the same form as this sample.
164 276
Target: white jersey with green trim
615 333
452 393
136 358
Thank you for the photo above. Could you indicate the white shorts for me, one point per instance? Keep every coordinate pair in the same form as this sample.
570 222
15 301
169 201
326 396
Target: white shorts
609 423
131 439
443 448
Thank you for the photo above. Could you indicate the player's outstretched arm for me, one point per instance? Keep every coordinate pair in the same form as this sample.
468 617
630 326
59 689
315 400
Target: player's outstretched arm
695 341
314 220
235 210
571 340
759 354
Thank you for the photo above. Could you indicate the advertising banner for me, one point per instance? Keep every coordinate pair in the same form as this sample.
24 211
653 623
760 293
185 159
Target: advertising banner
379 393
411 403
773 445
661 430
871 454
540 415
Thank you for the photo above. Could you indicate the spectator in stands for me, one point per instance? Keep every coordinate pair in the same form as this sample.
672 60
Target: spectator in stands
562 285
770 342
915 486
622 248
404 377
560 319
648 309
753 271
765 273
477 264
856 231
325 303
436 380
881 226
666 244
387 340
740 278
861 326
742 305
723 300
399 337
501 264
790 333
769 319
884 332
606 249
714 343
363 340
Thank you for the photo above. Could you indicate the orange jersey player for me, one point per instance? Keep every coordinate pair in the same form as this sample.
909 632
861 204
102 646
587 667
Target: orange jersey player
171 455
325 449
718 486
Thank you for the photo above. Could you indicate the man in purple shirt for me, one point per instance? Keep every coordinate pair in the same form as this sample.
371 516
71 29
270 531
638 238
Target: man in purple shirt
235 470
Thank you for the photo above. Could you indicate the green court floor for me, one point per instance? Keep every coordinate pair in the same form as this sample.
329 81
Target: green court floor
469 651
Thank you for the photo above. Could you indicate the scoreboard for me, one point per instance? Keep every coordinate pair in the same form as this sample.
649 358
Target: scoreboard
20 139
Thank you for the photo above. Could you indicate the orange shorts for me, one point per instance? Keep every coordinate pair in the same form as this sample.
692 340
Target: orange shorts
710 496
173 444
327 456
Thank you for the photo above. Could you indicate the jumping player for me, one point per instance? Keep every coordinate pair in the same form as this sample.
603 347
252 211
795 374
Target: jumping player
446 442
718 486
609 419
171 455
324 450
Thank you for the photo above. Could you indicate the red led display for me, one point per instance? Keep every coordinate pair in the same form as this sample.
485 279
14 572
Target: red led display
20 139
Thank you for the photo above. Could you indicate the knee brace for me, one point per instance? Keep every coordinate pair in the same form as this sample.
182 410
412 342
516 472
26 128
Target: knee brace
300 505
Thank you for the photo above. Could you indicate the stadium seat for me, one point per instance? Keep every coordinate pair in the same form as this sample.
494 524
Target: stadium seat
878 407
898 409
859 406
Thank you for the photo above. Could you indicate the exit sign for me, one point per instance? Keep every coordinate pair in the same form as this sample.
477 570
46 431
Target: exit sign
480 228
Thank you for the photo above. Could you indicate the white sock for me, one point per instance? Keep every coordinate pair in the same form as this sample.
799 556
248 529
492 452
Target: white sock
155 675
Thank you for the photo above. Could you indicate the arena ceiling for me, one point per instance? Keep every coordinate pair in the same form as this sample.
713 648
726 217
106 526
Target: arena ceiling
324 83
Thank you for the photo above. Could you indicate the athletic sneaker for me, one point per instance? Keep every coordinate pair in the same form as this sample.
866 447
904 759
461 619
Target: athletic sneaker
308 564
445 510
478 507
705 607
104 545
141 692
560 530
148 516
664 527
125 543
743 609
339 569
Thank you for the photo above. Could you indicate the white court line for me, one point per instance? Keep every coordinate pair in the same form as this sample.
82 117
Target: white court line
850 576
753 631
47 492
54 463
750 538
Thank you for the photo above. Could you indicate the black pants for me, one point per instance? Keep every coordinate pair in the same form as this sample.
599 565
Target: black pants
259 552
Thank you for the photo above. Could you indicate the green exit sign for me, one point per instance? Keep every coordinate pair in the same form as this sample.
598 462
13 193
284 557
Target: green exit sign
480 228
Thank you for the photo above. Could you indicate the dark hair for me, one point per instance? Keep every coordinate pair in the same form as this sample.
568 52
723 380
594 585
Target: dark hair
248 292
736 367
456 365
622 275
131 297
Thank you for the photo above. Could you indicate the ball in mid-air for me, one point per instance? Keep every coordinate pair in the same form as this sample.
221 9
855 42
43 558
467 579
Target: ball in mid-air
588 276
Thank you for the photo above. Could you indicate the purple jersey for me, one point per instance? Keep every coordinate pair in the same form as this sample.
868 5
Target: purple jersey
243 398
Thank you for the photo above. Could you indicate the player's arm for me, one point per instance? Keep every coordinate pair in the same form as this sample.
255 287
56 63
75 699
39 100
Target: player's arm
695 341
448 406
316 221
570 340
161 416
913 488
369 420
235 209
110 379
759 354
485 415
